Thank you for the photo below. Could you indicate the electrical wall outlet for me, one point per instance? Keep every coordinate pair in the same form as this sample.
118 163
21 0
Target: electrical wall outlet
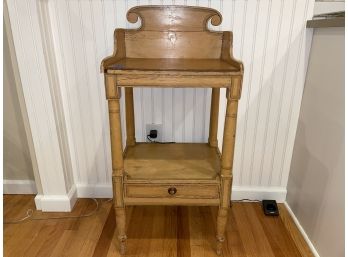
157 127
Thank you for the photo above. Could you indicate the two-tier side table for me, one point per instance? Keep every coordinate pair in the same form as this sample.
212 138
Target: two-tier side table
172 48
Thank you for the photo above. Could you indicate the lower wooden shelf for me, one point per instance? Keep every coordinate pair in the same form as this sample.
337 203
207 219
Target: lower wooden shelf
177 161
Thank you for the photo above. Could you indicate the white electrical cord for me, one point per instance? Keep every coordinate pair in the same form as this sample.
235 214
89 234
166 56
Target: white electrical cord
29 215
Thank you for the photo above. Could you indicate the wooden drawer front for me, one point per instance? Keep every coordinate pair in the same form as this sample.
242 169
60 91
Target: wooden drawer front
176 191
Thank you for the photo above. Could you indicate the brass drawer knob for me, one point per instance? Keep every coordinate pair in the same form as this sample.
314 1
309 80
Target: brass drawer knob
172 190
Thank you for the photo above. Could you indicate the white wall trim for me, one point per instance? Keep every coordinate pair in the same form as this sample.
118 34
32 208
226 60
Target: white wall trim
46 124
105 191
302 231
18 84
238 192
259 193
37 200
53 203
94 191
19 186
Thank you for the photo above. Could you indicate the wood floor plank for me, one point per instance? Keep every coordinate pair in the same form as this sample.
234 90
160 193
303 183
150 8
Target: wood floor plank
153 231
233 243
295 234
157 231
96 224
196 233
11 230
143 223
263 242
22 233
280 240
209 215
23 239
245 230
40 239
45 234
183 232
106 236
59 248
170 243
13 206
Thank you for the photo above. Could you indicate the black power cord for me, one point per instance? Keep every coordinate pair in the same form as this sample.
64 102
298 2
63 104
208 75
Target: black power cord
156 142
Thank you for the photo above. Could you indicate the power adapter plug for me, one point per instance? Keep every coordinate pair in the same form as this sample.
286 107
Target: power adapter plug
270 207
153 133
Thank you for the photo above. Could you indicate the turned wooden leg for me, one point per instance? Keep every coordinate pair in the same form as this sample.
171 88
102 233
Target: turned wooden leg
232 96
120 211
214 117
130 116
220 229
121 228
226 184
113 96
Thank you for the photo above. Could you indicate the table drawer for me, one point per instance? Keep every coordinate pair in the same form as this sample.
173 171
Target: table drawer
170 191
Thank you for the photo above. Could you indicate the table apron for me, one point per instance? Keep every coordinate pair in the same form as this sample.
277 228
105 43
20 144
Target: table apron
173 81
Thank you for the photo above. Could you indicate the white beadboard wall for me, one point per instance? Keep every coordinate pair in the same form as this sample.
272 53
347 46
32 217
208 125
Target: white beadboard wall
269 37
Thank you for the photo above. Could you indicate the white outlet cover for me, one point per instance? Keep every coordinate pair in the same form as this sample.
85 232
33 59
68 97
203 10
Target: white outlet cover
158 127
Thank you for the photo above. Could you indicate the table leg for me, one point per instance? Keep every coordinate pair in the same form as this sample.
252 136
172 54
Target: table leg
232 95
121 228
130 116
113 96
214 117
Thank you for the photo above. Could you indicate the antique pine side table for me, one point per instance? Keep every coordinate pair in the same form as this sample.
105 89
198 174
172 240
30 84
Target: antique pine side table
172 48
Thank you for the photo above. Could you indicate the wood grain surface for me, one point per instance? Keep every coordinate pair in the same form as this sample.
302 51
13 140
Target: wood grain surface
166 231
171 161
166 44
173 17
168 34
176 81
173 64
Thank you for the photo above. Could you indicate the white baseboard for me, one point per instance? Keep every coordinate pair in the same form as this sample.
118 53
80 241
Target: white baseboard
53 203
19 187
94 191
259 193
66 202
255 193
302 231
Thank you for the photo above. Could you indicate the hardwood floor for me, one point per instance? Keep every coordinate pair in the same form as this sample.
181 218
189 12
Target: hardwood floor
154 231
